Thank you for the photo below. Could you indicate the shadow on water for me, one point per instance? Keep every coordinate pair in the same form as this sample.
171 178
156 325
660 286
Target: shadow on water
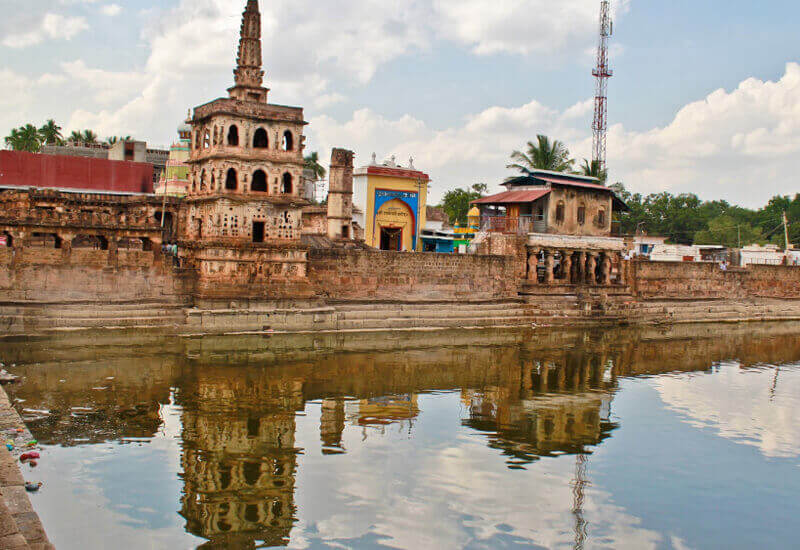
528 393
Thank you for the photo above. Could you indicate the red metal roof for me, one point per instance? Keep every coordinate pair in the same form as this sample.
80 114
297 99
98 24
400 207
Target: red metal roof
397 172
513 197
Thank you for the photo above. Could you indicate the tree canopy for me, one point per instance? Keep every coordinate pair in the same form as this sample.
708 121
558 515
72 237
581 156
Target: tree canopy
456 202
312 163
542 155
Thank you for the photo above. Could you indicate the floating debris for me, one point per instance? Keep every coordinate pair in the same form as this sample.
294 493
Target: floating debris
29 456
7 378
32 487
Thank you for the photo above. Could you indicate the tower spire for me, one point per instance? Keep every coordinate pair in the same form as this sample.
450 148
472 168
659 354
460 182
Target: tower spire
248 73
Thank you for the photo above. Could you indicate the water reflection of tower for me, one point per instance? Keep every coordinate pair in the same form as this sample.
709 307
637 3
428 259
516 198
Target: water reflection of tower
239 458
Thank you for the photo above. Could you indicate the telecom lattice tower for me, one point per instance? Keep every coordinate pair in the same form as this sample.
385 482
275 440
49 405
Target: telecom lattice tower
602 73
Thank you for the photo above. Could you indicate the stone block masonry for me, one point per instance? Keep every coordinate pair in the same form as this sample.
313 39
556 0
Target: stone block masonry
343 274
706 281
50 275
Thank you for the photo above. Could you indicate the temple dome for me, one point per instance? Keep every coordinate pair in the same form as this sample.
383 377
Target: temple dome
474 212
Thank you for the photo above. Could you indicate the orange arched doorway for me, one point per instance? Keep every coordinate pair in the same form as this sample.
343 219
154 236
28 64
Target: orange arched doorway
395 225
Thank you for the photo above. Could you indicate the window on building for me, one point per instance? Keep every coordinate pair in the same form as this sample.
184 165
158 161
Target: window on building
231 181
233 136
601 218
258 232
206 140
581 214
286 186
259 183
288 141
560 212
260 140
345 231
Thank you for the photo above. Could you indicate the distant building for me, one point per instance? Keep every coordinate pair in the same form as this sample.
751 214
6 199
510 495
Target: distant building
762 255
25 170
130 151
553 203
175 179
394 199
643 245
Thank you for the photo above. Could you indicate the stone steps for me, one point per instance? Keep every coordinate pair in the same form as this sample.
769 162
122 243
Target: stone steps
26 318
433 322
98 322
441 313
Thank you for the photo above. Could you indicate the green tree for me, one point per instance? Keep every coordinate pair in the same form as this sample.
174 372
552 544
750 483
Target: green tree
592 169
76 137
727 231
543 155
89 137
25 138
456 202
312 163
50 133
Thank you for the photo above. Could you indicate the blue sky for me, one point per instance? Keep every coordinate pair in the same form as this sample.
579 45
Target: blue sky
457 84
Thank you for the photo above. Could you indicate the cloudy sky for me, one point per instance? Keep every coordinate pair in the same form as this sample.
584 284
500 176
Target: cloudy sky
705 97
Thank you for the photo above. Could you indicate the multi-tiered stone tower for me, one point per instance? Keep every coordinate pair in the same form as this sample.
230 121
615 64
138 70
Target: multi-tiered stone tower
243 207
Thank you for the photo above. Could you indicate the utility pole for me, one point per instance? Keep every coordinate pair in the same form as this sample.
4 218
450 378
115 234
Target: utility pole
785 231
602 73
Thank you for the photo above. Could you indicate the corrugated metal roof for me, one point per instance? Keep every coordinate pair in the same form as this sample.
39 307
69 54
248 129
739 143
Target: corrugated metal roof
562 181
513 197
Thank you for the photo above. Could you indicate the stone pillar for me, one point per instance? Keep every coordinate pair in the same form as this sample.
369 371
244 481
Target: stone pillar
549 277
566 266
340 196
580 271
605 269
533 264
624 269
590 277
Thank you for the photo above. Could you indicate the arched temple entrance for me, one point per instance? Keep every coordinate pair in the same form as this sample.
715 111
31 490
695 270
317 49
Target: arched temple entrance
395 226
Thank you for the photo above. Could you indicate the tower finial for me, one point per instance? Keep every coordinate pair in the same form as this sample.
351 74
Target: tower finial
248 73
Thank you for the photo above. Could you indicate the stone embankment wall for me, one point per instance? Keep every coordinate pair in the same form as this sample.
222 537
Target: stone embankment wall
686 280
379 275
30 274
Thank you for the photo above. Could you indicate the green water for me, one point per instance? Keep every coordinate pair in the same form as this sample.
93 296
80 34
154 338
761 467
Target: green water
646 438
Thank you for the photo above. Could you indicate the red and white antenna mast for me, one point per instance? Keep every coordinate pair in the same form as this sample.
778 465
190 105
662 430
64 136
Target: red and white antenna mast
602 73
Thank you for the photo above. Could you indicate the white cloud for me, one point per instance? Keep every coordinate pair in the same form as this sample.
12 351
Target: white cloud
723 146
753 406
111 10
52 26
521 26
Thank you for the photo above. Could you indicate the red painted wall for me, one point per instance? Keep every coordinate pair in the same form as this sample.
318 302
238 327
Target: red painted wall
35 170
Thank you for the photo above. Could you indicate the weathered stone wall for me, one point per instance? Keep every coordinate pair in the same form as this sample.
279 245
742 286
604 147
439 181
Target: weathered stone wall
366 274
687 280
45 275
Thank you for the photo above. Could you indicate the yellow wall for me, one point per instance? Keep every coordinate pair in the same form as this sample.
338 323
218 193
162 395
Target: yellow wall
375 182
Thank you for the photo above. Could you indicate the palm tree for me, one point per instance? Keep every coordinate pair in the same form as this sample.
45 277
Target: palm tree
51 133
76 137
312 163
25 138
544 155
593 170
112 140
89 137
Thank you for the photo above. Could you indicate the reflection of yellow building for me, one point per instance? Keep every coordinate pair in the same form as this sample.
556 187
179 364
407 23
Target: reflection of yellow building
380 411
394 200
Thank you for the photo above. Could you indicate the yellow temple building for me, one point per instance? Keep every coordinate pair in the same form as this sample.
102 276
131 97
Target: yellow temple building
394 200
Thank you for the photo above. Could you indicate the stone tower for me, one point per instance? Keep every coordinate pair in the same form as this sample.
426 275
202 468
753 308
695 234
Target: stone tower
340 195
243 203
